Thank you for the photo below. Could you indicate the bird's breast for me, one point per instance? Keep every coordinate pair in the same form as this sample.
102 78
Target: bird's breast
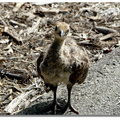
55 73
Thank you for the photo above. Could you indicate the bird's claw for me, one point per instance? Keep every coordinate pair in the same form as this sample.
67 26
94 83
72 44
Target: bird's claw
73 110
70 109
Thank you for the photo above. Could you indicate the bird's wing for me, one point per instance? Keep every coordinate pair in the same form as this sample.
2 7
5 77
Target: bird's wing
79 74
39 60
79 61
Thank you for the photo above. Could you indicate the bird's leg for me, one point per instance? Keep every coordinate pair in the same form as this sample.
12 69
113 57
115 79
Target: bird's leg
53 107
69 88
54 102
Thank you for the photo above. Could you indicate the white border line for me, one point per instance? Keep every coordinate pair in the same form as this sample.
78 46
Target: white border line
43 1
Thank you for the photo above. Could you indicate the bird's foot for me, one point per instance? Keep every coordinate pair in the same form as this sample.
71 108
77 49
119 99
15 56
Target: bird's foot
55 107
73 110
59 106
69 108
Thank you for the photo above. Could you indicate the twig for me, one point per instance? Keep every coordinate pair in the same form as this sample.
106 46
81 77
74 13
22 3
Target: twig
5 97
105 37
87 43
8 30
12 34
104 30
34 27
95 18
17 23
4 73
44 11
14 88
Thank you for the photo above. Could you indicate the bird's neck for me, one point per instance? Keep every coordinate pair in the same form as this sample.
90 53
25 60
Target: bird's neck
55 50
57 45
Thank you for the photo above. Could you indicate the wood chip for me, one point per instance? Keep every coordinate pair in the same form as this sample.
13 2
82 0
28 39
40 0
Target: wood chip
95 18
21 77
5 97
4 41
35 27
12 34
1 30
18 6
17 23
2 59
44 11
16 89
110 35
104 30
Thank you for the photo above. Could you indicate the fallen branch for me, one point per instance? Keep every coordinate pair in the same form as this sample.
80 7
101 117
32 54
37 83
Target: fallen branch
23 101
10 75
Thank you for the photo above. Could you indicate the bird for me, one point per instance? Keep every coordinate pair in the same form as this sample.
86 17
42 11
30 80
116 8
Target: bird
64 62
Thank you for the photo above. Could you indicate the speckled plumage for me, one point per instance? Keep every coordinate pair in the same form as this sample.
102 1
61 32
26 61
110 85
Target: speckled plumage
59 63
65 61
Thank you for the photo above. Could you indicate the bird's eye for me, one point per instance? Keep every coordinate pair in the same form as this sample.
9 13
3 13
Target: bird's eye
67 31
56 28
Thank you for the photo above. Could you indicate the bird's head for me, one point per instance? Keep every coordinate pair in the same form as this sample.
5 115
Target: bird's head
61 30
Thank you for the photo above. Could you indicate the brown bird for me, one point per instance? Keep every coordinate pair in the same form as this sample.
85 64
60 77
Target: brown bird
64 62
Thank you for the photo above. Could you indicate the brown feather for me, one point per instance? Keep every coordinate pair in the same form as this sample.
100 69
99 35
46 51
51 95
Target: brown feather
64 62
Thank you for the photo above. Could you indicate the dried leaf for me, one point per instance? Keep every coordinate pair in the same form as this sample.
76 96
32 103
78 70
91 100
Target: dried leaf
1 30
2 59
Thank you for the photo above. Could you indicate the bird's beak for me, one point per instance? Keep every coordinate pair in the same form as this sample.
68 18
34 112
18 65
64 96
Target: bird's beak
61 33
